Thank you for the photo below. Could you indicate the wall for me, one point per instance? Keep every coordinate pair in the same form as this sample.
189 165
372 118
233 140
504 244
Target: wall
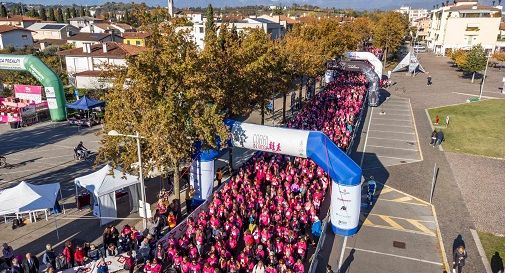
17 39
135 42
92 83
456 34
82 63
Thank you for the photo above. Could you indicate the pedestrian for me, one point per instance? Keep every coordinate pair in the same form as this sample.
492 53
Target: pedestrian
190 193
440 138
30 264
437 120
429 81
49 257
15 266
219 176
433 137
79 256
8 253
68 252
459 259
447 121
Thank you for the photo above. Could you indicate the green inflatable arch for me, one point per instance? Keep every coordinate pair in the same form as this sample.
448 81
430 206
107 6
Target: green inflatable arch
51 82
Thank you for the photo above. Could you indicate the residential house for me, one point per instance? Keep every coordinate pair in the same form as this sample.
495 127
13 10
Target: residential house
423 27
15 37
83 21
462 25
107 28
275 29
135 38
413 14
19 21
80 39
85 65
58 31
286 22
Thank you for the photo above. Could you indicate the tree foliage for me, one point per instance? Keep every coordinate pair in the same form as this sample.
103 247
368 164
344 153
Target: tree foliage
3 11
390 31
475 60
43 14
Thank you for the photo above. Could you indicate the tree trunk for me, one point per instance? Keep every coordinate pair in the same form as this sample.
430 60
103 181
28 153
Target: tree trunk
300 93
473 76
284 100
263 112
385 56
177 187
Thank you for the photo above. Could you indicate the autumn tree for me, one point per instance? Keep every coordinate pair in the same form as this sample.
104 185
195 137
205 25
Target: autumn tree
59 15
43 14
52 15
210 27
156 95
82 12
459 57
74 12
475 60
389 32
3 11
68 14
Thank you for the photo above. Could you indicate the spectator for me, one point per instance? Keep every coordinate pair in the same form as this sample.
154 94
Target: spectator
68 252
30 264
111 250
129 263
79 256
440 138
433 137
94 253
15 266
459 258
102 266
8 253
259 267
108 239
49 257
219 176
190 194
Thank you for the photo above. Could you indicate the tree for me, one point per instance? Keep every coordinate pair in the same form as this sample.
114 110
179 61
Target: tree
59 15
389 32
277 11
68 14
499 56
52 15
74 12
43 14
475 60
88 13
459 57
210 27
3 11
163 105
82 12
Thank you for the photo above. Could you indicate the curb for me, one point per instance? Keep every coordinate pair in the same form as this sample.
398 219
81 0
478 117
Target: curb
415 128
482 253
433 128
441 241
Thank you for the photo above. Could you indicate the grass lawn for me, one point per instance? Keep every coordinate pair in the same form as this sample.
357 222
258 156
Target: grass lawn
492 244
474 128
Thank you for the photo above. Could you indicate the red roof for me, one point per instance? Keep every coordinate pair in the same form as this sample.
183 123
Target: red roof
114 49
136 35
19 18
5 28
90 73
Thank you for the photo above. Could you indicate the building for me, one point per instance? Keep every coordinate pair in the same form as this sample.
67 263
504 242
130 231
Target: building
83 21
107 28
19 21
413 14
275 29
423 27
462 25
82 38
135 38
15 37
59 31
85 65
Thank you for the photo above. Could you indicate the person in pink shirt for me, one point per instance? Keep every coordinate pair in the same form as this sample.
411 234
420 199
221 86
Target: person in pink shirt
195 267
207 268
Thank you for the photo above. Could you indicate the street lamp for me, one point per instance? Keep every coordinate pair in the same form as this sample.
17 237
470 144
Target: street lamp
142 186
484 78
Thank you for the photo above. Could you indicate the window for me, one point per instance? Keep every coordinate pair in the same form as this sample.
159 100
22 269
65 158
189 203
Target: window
137 43
201 29
127 42
24 36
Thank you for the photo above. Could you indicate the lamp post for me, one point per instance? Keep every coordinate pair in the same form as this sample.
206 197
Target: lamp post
484 78
142 186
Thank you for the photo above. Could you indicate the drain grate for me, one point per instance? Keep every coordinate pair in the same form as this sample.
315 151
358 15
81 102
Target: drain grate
398 244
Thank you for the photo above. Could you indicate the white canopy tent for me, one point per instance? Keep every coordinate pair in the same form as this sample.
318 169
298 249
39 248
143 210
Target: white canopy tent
410 62
28 198
103 184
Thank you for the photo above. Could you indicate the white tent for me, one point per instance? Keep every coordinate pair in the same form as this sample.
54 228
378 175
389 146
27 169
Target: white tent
25 198
103 184
411 63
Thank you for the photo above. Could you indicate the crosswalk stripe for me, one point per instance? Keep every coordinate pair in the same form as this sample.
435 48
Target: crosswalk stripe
386 190
420 226
365 221
391 222
402 199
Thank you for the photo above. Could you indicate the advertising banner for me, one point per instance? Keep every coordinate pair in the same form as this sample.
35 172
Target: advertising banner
369 57
345 206
201 177
114 264
28 92
270 139
12 62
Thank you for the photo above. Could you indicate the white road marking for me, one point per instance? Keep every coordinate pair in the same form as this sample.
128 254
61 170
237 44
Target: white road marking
415 128
342 252
475 95
406 140
403 126
390 119
389 114
397 157
391 132
366 138
396 256
392 148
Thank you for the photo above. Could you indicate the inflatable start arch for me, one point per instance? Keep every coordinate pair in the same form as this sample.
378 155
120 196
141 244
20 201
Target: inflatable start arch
53 87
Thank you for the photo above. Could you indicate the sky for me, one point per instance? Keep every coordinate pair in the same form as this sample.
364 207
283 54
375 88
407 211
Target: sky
354 4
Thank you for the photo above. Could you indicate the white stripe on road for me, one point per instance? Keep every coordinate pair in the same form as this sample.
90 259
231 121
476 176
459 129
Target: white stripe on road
405 126
366 138
390 119
393 139
393 148
391 132
396 256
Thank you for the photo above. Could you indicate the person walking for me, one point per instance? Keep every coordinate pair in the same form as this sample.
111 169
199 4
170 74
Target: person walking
429 81
219 176
447 121
8 253
433 137
459 258
437 120
30 264
440 138
49 258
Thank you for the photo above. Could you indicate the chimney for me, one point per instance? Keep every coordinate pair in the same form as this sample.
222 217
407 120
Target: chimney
112 35
104 47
